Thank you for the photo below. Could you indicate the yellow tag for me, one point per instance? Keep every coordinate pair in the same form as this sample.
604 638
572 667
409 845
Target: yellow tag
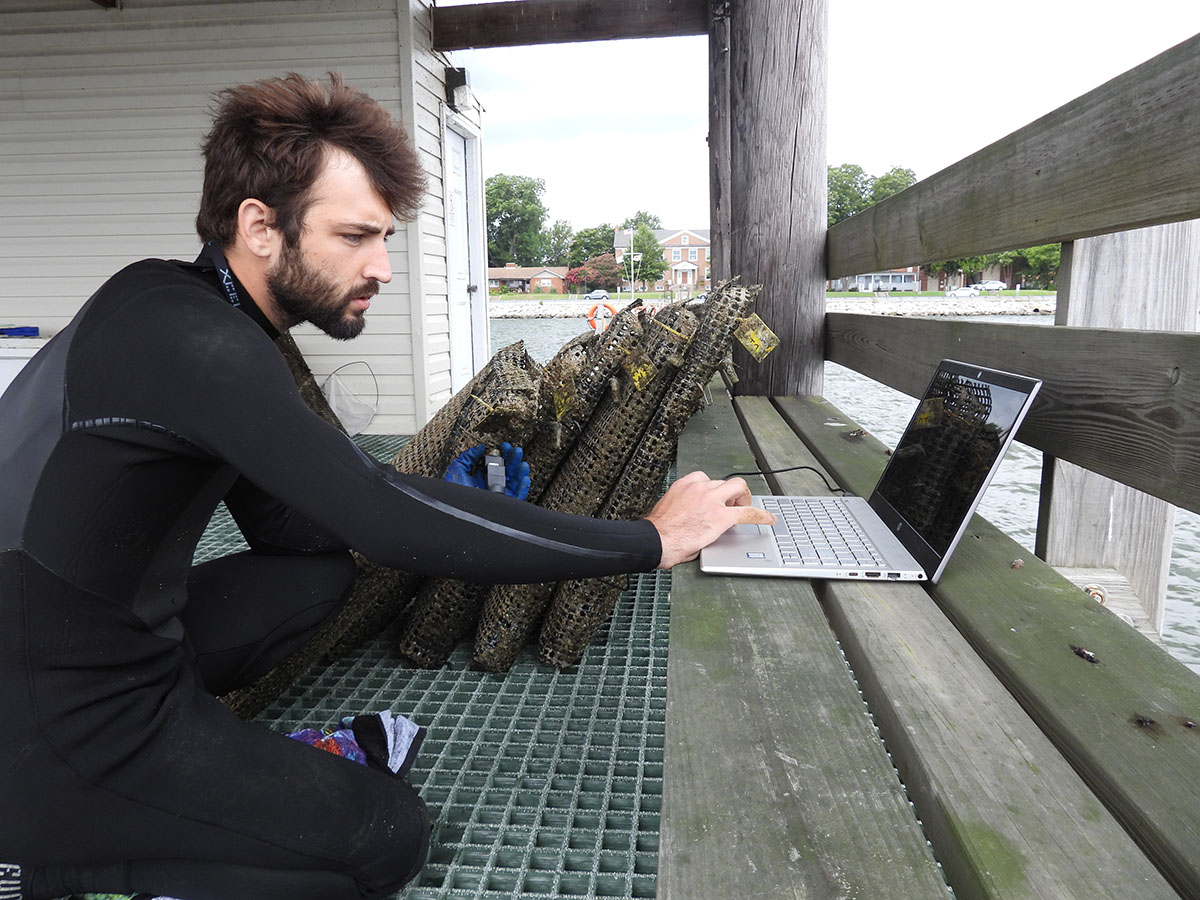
753 334
564 399
640 369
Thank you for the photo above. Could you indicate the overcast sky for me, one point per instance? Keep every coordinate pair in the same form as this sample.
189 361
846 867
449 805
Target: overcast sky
618 126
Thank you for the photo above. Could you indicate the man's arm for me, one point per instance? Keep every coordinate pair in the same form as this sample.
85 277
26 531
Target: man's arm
696 510
274 528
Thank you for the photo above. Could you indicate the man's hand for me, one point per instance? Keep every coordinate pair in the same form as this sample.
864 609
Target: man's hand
696 510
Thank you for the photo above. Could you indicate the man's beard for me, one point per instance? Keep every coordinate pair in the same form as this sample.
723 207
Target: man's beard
305 295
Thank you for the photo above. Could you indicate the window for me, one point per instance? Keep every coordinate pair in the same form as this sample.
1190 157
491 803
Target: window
675 255
708 252
547 282
692 254
683 239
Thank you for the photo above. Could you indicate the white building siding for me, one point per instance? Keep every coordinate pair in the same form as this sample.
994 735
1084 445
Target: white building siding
101 116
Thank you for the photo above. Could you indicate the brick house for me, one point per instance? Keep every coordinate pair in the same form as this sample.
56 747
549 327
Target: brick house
687 254
527 279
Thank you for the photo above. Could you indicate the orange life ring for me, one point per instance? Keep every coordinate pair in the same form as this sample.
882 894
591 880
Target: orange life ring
599 322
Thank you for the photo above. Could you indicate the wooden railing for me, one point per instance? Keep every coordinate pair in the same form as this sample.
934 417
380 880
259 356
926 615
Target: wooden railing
1122 156
1121 403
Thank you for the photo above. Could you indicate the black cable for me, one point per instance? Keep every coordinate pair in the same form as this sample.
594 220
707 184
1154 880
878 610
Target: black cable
832 488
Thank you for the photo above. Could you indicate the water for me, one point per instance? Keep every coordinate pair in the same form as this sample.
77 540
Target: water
1011 501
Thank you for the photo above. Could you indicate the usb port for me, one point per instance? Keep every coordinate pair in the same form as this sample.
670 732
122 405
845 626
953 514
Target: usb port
894 576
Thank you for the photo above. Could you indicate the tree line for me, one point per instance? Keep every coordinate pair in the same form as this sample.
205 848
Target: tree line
517 232
851 190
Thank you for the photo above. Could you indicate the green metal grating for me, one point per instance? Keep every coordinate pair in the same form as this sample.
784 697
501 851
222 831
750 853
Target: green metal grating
542 784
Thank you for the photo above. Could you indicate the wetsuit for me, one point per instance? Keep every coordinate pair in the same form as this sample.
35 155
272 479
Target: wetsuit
119 771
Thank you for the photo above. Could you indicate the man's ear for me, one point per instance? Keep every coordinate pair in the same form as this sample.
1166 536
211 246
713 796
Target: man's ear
255 229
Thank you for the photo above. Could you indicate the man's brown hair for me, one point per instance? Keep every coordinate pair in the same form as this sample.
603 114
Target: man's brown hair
270 141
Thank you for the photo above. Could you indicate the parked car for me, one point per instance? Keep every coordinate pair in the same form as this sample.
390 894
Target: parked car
598 296
963 292
991 286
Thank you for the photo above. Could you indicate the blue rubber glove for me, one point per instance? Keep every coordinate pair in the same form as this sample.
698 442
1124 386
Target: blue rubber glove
468 468
516 471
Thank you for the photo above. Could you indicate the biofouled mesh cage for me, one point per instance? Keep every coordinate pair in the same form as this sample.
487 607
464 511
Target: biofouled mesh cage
541 783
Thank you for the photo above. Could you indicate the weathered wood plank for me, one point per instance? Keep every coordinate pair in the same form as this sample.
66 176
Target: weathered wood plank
1085 519
1007 816
1120 403
775 783
778 183
1122 722
523 22
1121 156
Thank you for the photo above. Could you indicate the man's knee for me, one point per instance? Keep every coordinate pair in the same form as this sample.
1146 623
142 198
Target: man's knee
400 852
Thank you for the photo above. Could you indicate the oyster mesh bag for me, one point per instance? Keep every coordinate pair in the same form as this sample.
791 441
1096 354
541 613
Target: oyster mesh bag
619 412
579 608
599 426
500 404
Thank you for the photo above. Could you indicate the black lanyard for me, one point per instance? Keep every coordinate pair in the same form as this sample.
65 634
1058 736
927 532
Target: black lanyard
224 273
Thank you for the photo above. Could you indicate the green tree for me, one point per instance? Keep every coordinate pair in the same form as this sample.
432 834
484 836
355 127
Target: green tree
651 266
515 214
588 243
893 181
556 243
641 217
1040 264
849 188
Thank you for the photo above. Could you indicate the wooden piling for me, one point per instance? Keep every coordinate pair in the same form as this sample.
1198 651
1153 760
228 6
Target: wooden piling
778 183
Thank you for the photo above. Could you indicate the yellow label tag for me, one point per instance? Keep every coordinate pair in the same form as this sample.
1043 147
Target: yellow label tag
564 399
640 369
753 334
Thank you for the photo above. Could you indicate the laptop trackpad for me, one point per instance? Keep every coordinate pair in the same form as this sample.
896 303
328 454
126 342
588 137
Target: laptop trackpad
740 546
748 530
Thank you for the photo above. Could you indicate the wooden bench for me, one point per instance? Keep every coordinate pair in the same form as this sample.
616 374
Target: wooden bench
1031 772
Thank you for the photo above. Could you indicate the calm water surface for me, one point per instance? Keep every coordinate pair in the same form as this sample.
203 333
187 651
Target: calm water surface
1010 502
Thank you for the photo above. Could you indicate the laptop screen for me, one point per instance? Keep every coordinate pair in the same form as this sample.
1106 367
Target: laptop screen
946 457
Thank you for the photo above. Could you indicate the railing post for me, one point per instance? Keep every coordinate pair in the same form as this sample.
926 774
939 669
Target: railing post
1143 279
777 183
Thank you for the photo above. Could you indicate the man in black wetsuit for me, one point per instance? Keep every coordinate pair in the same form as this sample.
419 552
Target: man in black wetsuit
119 770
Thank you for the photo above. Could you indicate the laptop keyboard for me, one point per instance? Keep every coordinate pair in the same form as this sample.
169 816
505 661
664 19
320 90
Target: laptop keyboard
819 531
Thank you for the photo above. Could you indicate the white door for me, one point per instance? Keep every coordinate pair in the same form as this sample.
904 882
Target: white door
458 261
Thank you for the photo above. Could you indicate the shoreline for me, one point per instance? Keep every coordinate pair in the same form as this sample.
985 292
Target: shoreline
1032 305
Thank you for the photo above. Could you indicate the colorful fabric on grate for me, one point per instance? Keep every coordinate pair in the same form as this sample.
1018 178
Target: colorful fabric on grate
340 742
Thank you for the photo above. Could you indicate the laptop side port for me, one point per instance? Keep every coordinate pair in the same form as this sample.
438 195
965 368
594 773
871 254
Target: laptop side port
873 574
894 576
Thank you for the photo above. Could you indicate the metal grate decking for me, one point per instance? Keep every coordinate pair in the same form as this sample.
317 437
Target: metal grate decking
542 784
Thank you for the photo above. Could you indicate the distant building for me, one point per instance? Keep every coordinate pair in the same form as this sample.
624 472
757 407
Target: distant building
913 278
687 254
526 279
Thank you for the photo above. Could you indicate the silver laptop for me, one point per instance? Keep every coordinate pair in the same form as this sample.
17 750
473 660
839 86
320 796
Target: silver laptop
921 505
